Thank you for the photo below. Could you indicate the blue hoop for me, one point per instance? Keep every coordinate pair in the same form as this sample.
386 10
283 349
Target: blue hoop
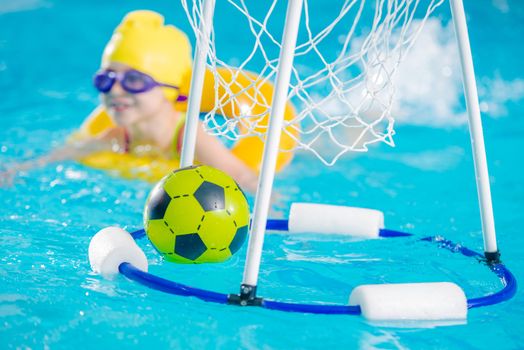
149 280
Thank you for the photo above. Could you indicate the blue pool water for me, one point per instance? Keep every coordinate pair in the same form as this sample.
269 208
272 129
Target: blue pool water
49 298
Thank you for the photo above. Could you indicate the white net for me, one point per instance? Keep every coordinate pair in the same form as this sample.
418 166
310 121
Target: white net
343 79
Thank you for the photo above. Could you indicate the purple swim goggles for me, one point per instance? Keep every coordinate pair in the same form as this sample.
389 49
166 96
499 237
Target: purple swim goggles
132 81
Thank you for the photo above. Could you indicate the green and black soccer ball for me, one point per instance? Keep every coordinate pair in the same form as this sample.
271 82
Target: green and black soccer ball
196 214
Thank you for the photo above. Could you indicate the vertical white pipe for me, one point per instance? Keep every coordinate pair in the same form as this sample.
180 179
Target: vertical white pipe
197 83
267 174
475 127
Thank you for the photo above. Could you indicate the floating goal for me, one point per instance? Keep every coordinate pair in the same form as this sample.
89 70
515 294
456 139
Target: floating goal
340 101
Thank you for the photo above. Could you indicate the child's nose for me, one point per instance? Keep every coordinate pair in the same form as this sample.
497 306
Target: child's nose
117 89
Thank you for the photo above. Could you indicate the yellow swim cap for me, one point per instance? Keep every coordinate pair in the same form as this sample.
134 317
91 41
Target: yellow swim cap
144 43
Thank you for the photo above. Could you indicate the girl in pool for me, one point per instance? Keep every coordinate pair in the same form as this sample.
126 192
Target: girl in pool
142 67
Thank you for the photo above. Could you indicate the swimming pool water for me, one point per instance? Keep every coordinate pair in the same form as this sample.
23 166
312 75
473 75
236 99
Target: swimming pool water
49 298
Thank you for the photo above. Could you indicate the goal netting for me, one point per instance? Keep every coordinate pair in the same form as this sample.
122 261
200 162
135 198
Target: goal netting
343 78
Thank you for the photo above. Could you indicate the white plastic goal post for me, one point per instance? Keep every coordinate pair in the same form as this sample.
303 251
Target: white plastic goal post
343 98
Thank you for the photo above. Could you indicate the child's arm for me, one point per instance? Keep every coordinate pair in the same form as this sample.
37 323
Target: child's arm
210 151
72 150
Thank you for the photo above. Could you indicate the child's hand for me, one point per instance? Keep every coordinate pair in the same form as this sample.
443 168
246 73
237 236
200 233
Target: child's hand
7 178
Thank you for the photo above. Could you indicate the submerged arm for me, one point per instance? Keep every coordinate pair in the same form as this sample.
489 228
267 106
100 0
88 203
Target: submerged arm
69 151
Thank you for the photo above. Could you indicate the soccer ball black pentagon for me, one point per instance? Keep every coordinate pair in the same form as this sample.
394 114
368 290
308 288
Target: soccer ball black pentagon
196 214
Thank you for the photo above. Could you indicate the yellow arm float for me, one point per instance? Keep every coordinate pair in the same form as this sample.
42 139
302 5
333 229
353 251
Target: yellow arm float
248 149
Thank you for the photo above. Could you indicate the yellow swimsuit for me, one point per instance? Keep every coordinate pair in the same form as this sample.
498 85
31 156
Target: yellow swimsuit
126 165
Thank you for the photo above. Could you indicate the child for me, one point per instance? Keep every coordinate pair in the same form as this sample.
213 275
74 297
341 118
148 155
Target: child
142 67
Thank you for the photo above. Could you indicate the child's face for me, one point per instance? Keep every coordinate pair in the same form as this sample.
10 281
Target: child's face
128 108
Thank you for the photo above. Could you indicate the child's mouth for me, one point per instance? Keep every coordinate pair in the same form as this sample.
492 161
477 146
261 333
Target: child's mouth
120 106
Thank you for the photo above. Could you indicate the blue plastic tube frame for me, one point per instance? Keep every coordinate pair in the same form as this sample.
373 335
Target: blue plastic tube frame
149 280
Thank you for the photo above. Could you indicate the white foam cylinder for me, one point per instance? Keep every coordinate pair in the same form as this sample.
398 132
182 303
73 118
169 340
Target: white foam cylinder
333 219
112 246
411 301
